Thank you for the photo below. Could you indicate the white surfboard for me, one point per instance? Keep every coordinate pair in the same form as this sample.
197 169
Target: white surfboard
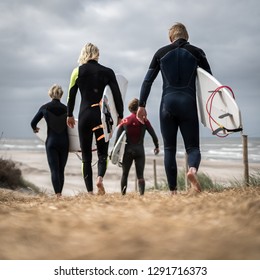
118 150
217 108
73 136
108 104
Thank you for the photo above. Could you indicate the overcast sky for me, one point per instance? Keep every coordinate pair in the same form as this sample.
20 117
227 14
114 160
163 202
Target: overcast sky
41 42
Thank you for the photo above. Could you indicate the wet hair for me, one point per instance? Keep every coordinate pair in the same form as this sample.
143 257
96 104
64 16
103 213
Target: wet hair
88 52
55 92
133 105
178 31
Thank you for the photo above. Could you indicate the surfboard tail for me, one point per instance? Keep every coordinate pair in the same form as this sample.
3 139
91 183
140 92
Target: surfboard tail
217 108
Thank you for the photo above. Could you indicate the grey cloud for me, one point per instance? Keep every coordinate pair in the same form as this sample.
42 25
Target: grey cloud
40 42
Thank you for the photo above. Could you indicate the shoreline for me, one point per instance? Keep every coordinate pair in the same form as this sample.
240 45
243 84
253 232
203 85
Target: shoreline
35 169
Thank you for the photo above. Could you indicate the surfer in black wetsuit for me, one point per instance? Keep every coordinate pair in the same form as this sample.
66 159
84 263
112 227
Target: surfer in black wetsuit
91 78
57 142
134 149
178 63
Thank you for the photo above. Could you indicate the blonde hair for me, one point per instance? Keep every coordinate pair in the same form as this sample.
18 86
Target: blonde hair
178 31
88 52
133 105
55 92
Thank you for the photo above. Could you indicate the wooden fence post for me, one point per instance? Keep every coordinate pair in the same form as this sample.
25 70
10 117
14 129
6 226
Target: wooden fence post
186 171
155 174
245 159
136 185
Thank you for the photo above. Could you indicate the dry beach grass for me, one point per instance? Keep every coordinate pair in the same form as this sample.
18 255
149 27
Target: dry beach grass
222 225
210 225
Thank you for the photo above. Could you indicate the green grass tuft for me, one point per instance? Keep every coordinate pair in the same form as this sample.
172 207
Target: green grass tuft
205 181
11 177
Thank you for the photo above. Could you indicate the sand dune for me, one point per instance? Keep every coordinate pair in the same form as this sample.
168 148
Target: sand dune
221 225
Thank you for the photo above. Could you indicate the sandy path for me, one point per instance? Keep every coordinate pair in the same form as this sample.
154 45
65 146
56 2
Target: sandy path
222 225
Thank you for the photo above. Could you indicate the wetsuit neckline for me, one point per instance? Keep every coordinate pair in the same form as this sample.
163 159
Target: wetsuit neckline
180 42
92 61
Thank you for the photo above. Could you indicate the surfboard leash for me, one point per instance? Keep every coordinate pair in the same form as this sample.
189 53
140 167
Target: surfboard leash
209 105
80 158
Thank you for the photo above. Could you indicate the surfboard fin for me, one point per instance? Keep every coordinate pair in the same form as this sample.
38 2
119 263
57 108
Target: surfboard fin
235 129
226 130
216 131
225 115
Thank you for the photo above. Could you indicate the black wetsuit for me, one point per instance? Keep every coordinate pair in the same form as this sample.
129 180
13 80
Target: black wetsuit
91 79
134 149
178 63
57 142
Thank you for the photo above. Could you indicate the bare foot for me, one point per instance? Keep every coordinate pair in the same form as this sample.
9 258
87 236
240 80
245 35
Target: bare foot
192 177
100 186
173 192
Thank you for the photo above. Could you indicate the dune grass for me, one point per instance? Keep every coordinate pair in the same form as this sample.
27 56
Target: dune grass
11 177
207 184
253 181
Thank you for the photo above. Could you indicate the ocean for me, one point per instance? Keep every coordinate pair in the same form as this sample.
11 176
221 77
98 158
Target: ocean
228 148
212 148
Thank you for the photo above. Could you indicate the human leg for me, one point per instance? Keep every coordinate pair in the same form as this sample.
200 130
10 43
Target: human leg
126 165
102 152
169 129
63 157
85 137
53 161
190 132
139 166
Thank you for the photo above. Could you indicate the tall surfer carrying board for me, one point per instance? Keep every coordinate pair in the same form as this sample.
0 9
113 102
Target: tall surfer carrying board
178 64
91 78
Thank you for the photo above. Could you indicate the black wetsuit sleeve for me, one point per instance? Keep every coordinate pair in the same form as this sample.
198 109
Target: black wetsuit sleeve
37 118
150 76
73 89
151 131
116 94
203 62
119 132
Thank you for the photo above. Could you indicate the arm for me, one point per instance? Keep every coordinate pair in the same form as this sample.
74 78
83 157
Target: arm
151 131
151 74
203 62
73 89
36 119
116 94
119 132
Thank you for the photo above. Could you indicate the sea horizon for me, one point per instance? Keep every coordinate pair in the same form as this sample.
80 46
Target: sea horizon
212 148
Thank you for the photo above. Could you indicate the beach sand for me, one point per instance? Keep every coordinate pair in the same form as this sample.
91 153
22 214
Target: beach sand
208 226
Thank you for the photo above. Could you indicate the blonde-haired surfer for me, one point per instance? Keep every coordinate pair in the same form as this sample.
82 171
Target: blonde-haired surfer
177 62
91 78
57 142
